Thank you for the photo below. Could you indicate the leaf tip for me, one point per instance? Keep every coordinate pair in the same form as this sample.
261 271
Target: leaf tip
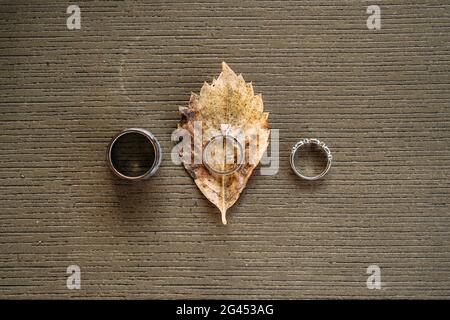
224 216
226 69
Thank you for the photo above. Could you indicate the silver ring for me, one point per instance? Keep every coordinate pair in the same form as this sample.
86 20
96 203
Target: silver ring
321 145
156 148
238 163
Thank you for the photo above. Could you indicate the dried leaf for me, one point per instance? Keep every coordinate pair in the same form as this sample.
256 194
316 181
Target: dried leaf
229 102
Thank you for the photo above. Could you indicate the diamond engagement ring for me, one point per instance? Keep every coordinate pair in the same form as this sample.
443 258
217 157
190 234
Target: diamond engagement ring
225 140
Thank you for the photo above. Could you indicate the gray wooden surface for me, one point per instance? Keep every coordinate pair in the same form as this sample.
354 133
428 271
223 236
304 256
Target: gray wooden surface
379 99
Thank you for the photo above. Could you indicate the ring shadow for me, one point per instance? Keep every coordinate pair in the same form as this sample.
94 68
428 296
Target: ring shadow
133 156
134 197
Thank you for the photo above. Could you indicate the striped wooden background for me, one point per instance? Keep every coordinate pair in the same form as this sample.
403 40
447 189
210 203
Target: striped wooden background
379 99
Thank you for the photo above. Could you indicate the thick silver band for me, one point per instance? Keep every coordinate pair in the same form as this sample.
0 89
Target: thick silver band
321 145
156 147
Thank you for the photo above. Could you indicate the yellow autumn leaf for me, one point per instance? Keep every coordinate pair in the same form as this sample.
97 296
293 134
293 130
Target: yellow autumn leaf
227 101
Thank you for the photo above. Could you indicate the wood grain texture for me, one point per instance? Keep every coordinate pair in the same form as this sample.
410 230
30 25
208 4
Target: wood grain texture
379 99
